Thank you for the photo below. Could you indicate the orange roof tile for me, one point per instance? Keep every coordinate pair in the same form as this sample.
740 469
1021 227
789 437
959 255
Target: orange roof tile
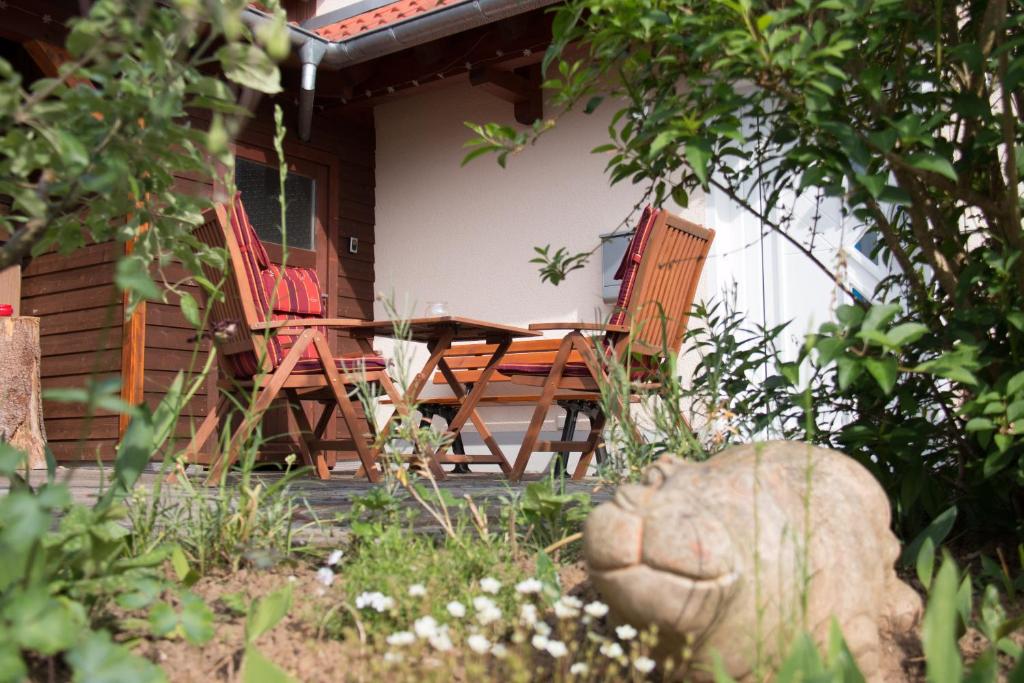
382 16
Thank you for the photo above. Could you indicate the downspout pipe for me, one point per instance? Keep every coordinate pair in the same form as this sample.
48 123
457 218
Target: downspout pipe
310 54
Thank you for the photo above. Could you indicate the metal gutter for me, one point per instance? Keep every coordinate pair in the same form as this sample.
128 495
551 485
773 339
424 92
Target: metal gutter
316 51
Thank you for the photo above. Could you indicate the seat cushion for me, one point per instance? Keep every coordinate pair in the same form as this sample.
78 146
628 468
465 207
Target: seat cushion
345 364
630 265
572 369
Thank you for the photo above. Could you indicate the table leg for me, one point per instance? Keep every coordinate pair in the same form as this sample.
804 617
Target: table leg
437 350
468 411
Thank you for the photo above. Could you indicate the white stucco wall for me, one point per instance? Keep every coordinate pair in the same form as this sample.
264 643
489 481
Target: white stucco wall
466 234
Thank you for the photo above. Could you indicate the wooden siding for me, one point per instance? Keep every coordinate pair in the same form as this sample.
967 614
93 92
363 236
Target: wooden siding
80 334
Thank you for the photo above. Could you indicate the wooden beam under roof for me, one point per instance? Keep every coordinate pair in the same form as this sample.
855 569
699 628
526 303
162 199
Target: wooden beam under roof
520 87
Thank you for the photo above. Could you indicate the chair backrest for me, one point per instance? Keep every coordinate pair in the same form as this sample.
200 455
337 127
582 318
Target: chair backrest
234 313
669 269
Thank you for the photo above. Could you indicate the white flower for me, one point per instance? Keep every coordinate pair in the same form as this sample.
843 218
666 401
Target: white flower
417 590
579 669
539 642
488 615
625 632
478 644
528 586
499 651
399 638
375 601
325 576
441 641
644 665
567 607
527 614
596 609
480 603
612 650
392 657
557 649
490 585
334 558
542 628
425 627
456 609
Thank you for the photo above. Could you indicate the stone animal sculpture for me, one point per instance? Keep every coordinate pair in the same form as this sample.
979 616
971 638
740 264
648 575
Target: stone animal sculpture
739 553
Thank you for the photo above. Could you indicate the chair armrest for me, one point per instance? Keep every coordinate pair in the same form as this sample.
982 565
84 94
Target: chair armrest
308 322
596 327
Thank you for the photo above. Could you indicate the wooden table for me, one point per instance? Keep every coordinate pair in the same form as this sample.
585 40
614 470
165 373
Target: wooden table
438 333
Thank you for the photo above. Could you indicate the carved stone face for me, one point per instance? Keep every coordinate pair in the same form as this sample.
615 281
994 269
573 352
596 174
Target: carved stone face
655 553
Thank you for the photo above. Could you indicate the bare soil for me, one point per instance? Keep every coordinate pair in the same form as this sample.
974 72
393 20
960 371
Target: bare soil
300 646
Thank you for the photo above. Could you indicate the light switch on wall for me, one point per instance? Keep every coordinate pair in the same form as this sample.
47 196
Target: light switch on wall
353 245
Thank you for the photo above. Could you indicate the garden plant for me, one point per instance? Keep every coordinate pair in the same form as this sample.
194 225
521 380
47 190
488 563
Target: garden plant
913 124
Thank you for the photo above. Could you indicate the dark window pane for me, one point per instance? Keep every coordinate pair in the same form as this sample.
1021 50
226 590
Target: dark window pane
259 187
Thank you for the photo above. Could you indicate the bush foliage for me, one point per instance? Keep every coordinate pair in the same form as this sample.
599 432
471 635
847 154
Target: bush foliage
909 114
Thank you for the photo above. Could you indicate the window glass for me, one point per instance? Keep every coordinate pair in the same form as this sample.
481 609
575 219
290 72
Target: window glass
259 185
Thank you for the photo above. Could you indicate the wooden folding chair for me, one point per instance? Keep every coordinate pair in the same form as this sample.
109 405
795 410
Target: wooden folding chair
660 273
268 348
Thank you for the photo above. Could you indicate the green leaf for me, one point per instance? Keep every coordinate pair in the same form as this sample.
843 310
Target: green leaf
884 370
98 659
142 593
933 164
1015 384
936 532
12 666
258 669
44 624
131 275
196 619
11 459
698 153
186 575
190 309
547 573
980 424
266 612
942 654
249 66
907 333
592 104
879 315
925 564
849 370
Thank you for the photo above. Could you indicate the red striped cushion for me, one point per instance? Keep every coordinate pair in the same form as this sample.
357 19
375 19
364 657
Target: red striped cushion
574 369
297 290
630 265
345 364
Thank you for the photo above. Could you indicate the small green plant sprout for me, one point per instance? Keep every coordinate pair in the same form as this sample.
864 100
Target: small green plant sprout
263 615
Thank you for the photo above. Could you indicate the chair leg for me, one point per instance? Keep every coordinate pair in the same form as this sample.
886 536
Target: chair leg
560 463
310 452
348 411
547 397
458 445
206 429
595 443
263 401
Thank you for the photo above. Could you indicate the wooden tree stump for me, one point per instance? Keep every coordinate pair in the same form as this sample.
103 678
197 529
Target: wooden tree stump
21 404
